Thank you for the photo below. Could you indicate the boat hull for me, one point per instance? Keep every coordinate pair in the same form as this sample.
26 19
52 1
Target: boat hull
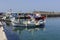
30 25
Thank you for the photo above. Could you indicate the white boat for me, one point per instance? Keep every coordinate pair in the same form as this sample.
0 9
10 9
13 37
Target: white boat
28 20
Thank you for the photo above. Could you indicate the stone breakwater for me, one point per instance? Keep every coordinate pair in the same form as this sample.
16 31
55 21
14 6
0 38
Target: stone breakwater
48 14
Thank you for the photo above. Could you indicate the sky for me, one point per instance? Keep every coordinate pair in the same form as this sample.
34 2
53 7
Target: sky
29 5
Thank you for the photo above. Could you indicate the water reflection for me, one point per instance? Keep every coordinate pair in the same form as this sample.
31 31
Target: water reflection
28 28
24 32
27 31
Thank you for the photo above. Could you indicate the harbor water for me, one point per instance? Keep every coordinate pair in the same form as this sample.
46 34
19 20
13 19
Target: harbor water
51 31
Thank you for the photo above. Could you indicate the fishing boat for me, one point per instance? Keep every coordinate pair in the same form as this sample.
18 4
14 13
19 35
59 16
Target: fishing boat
29 20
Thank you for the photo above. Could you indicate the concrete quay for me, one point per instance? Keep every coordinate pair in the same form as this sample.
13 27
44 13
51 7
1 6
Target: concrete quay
2 33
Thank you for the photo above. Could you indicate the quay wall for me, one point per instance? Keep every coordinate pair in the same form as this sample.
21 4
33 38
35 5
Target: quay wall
48 14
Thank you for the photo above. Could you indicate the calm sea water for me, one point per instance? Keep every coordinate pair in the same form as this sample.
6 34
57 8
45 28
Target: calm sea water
51 31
